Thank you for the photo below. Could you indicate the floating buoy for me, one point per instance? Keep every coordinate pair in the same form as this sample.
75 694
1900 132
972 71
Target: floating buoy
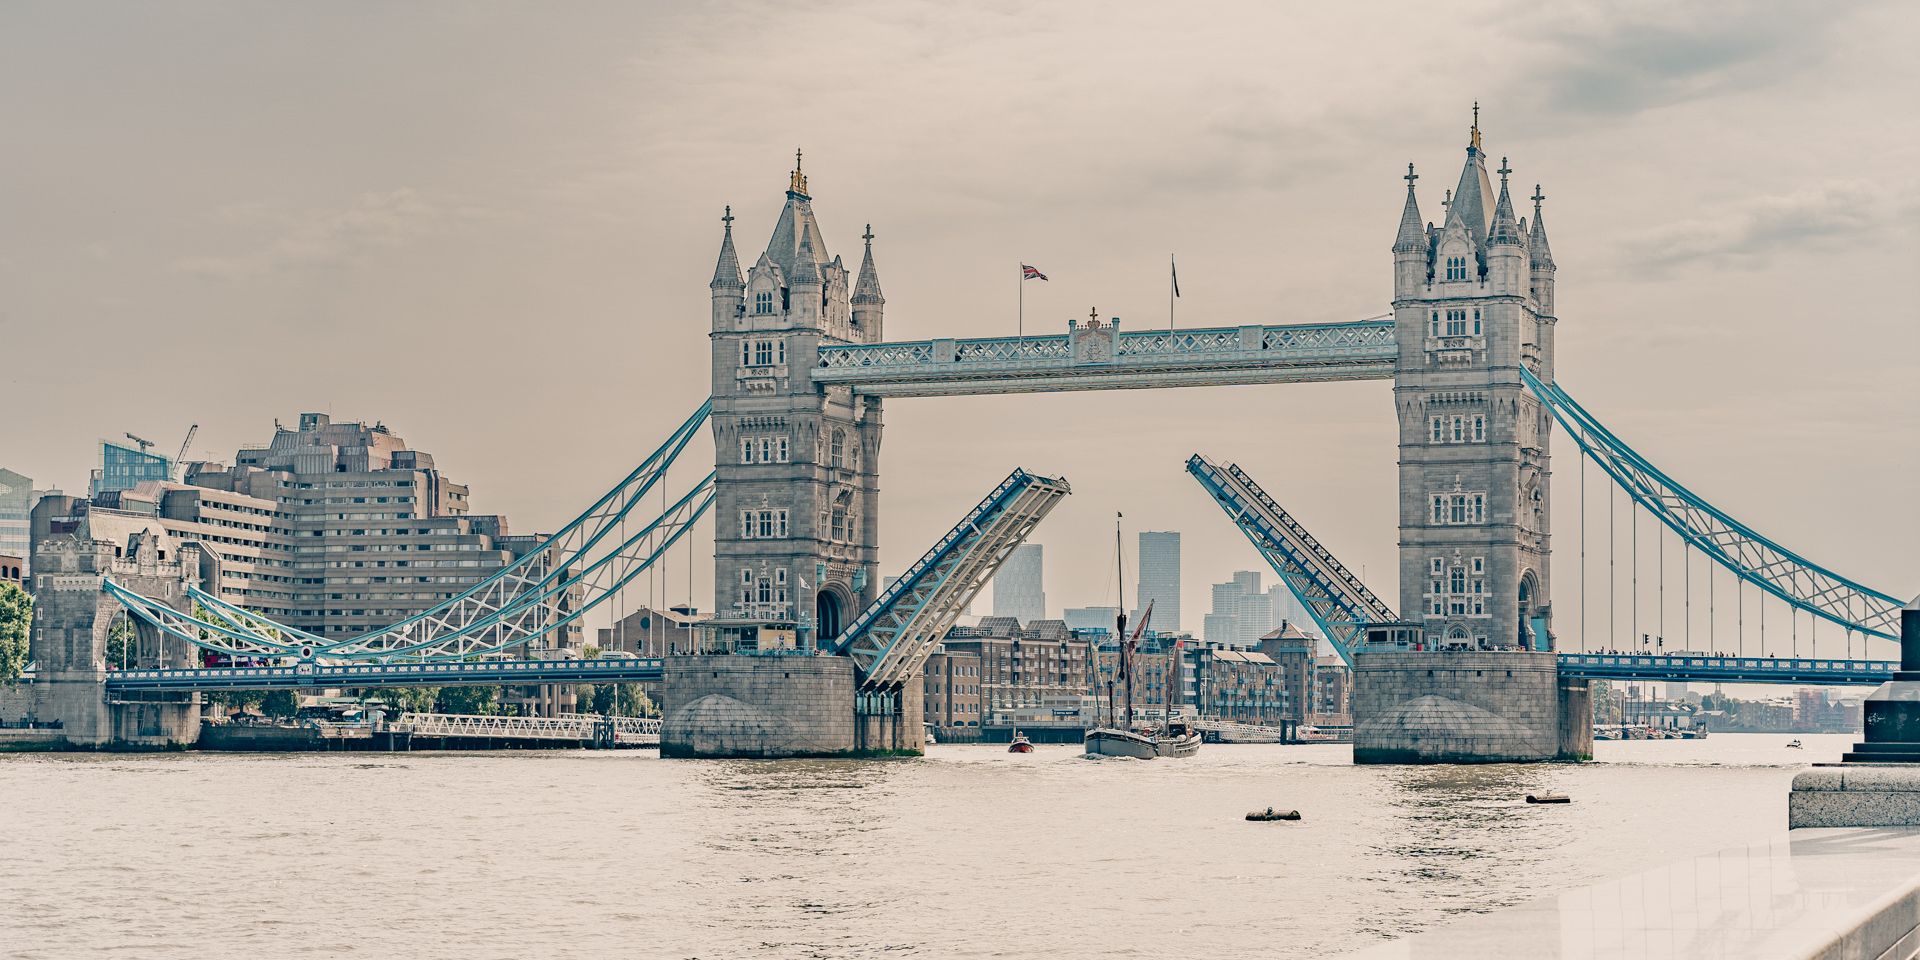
1261 816
1549 798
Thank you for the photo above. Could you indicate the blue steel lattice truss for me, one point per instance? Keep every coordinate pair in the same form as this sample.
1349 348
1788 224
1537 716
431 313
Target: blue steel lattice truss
1753 558
892 638
1102 358
550 587
1340 604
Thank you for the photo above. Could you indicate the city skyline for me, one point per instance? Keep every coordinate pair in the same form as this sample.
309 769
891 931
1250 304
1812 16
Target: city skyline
1665 255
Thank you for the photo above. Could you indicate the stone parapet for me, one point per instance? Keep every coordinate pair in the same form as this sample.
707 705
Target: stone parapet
1855 795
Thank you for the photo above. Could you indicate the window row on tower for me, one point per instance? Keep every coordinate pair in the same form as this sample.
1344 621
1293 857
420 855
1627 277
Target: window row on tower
1456 324
762 353
770 449
765 524
763 594
1458 509
1457 588
1458 429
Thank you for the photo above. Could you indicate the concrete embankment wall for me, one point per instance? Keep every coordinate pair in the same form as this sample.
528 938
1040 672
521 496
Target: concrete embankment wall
1469 707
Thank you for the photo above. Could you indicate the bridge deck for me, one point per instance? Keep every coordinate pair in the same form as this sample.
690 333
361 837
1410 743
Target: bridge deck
1704 669
512 672
1103 358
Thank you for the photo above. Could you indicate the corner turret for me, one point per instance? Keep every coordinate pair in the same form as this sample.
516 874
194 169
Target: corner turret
1540 257
1412 250
869 306
1506 245
729 290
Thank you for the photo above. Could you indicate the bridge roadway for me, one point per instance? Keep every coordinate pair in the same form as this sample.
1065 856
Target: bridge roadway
1104 358
1704 669
1593 666
362 675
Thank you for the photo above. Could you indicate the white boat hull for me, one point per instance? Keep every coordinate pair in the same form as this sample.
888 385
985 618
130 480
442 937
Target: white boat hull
1123 743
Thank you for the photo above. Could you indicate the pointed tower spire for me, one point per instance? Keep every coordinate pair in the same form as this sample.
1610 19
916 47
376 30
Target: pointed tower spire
866 289
868 303
1505 229
806 265
1470 202
1542 255
726 272
1412 237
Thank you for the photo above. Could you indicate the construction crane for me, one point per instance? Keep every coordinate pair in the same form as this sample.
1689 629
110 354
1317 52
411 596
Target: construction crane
179 467
144 443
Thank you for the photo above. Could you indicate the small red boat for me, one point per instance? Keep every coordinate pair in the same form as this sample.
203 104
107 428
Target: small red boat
1020 744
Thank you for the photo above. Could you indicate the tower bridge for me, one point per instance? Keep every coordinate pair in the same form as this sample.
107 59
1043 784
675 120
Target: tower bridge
823 660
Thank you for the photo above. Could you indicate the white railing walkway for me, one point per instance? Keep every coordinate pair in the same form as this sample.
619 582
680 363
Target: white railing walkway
633 731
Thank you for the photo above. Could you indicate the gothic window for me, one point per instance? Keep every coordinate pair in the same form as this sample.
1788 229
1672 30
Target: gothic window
839 449
1457 509
1433 324
1479 508
1479 567
1439 432
1459 430
1439 509
746 450
1456 268
1456 323
780 449
1476 321
1479 429
763 303
765 445
1457 580
842 517
1437 565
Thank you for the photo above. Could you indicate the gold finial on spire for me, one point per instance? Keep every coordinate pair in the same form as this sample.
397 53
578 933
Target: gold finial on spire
798 183
1476 124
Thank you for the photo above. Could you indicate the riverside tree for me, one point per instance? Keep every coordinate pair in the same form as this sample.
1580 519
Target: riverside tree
16 623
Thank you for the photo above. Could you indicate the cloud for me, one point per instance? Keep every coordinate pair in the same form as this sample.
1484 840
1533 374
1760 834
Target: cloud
1600 60
1749 234
326 238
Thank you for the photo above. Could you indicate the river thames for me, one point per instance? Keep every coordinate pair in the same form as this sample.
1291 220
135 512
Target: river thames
970 852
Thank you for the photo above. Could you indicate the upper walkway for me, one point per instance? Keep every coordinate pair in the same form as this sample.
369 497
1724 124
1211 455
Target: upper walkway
1101 357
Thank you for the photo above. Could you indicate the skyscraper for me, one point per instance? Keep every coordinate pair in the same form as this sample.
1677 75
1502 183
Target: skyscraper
16 498
1018 590
1287 607
1160 577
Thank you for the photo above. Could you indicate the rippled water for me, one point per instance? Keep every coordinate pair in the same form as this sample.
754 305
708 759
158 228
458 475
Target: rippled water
970 852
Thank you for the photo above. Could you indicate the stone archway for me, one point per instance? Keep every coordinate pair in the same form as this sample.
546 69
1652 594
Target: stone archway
829 614
1529 586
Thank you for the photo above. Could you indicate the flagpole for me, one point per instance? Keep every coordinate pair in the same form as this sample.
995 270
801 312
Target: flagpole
1022 281
1173 284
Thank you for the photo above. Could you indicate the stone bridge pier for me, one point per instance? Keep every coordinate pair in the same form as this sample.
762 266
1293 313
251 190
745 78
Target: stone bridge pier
71 621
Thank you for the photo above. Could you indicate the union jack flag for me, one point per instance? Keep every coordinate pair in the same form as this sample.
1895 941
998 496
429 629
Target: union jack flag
1029 273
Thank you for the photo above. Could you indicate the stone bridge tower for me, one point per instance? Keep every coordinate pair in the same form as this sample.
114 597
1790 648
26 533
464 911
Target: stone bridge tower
73 617
797 466
1473 302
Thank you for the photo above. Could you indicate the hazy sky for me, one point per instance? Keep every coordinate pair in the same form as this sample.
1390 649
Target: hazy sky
491 226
